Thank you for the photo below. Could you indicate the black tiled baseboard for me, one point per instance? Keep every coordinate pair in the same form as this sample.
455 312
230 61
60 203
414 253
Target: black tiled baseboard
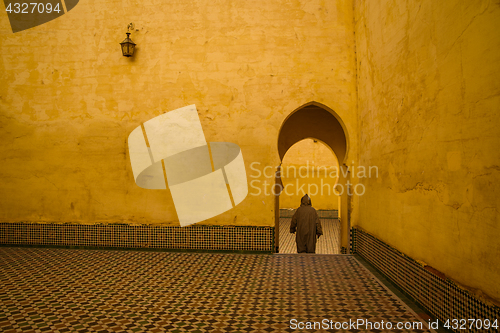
322 213
198 237
437 294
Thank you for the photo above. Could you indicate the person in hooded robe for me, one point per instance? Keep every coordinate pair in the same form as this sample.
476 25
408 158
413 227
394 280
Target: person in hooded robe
306 225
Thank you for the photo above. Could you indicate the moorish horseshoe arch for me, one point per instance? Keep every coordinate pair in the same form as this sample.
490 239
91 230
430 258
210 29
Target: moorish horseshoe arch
315 120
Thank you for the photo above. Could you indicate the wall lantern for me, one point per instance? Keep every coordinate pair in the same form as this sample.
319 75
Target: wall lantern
128 46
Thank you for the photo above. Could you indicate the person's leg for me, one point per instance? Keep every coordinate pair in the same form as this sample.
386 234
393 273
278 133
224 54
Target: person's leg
301 248
312 248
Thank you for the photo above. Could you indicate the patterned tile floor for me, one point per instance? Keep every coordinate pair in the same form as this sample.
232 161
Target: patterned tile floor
70 290
329 243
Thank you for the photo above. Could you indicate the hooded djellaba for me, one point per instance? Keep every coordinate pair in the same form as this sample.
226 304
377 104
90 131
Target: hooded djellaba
306 224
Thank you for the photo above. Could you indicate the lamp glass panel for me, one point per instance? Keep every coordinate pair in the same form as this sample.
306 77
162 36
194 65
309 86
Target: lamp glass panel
124 49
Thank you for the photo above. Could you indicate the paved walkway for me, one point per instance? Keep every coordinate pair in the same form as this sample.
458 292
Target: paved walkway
329 243
67 290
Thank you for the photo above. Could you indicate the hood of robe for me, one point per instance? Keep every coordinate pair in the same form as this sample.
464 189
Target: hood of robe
305 201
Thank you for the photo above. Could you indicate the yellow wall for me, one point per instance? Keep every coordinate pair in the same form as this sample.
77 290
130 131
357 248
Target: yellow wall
69 99
309 167
429 100
429 94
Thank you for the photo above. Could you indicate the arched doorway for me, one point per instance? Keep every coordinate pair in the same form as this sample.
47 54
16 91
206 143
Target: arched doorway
310 166
315 120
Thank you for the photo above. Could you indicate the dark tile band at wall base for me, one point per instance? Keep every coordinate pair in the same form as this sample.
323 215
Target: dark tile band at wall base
196 237
322 213
440 296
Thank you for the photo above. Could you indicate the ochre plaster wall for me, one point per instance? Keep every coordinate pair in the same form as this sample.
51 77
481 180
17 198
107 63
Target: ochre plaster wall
309 167
429 100
69 99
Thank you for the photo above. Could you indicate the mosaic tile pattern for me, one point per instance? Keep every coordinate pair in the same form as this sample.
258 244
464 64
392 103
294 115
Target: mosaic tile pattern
329 243
324 214
196 237
438 295
65 290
